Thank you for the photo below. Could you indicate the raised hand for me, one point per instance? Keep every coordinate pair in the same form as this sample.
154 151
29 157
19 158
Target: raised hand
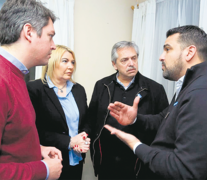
123 113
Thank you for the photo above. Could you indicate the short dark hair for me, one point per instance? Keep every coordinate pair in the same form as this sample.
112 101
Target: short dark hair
191 35
14 14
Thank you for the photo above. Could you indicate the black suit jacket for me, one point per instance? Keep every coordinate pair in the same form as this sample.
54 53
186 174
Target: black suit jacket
50 118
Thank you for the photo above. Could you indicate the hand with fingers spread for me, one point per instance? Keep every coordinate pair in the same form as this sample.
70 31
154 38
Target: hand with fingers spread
127 138
123 113
80 143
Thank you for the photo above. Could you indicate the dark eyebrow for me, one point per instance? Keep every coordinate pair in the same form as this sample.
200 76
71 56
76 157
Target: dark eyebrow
166 45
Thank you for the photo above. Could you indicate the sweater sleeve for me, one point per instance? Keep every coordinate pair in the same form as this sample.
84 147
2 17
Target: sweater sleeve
35 170
188 158
12 166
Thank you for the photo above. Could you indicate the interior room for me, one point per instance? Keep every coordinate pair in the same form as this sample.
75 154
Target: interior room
91 28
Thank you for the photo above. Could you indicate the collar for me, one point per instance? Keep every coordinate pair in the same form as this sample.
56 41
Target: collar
179 83
122 83
194 72
51 85
49 82
14 61
178 86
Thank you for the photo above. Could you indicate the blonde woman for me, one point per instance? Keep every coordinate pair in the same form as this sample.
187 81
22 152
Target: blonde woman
60 106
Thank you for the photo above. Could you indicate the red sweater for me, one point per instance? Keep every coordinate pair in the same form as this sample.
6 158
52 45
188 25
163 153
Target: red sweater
19 146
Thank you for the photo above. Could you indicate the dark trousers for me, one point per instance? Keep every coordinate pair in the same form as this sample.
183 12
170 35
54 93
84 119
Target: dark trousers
72 172
112 170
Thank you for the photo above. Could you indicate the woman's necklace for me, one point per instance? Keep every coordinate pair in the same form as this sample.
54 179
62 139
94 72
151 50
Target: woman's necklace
61 89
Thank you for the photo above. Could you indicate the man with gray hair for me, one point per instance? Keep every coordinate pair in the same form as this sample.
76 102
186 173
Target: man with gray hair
26 32
179 148
111 158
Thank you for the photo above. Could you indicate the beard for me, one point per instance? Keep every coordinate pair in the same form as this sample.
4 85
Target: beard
173 73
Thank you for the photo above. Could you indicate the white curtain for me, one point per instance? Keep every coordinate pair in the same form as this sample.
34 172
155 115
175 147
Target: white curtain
166 18
64 25
169 14
143 34
203 15
189 11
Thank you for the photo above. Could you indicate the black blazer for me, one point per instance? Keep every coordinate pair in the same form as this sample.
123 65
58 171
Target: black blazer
50 118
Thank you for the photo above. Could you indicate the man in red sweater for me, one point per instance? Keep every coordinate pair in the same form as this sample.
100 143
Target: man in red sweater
26 32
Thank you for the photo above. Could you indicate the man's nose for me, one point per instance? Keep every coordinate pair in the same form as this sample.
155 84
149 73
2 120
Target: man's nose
53 46
131 62
162 56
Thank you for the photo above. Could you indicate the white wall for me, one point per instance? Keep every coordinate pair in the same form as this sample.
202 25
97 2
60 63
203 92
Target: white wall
140 1
99 24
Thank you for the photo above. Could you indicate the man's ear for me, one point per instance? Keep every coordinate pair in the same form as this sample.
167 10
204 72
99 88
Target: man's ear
114 64
27 31
190 52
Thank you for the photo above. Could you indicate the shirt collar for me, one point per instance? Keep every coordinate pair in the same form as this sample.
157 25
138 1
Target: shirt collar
51 85
122 83
179 83
14 61
49 82
178 86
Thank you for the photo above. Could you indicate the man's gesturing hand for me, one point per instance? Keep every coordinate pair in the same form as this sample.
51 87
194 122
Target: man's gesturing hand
127 138
123 113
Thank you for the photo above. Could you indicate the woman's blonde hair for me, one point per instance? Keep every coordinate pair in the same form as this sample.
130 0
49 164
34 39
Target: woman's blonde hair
47 71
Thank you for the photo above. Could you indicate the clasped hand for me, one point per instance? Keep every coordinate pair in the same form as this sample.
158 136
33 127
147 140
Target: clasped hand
80 143
52 157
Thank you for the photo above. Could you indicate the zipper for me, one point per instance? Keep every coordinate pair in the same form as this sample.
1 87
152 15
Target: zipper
139 168
141 90
105 122
167 115
102 127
